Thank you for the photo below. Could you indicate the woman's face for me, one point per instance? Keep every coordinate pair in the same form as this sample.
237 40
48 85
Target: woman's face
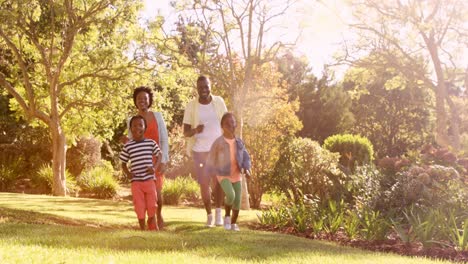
142 101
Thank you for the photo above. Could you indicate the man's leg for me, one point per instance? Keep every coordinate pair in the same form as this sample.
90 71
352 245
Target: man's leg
201 171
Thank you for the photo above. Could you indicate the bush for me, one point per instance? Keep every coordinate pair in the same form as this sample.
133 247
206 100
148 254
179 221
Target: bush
99 181
306 168
12 166
44 180
84 156
354 150
180 188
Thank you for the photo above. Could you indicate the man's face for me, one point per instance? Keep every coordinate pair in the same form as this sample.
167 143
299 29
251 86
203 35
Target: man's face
229 124
142 101
138 128
203 89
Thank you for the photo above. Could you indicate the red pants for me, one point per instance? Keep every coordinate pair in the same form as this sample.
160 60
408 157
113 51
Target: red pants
144 198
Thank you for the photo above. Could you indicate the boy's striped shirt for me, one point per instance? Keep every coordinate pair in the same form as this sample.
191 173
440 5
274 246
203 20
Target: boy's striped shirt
140 154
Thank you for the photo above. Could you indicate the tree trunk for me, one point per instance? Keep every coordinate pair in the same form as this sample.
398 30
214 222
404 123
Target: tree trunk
441 94
59 151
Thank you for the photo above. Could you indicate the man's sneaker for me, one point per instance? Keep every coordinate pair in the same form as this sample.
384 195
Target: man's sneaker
209 220
227 223
235 227
218 221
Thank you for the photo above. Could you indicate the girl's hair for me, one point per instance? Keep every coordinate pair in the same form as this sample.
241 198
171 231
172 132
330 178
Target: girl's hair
143 89
226 115
137 117
203 78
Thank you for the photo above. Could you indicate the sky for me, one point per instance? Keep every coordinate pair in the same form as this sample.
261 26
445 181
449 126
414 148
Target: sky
319 29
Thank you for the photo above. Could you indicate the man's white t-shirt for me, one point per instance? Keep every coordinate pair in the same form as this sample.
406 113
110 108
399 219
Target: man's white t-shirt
211 131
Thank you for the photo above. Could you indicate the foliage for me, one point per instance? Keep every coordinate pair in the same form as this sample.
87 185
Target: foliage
373 225
180 188
69 59
269 121
458 233
334 216
44 178
99 181
302 169
392 111
86 154
325 109
424 227
12 165
351 224
430 186
412 33
354 150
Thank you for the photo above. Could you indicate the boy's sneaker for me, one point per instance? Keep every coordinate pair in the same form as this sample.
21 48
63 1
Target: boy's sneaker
227 223
218 221
235 227
209 220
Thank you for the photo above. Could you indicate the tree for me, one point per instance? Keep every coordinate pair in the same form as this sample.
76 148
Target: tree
240 30
433 31
390 110
270 121
68 63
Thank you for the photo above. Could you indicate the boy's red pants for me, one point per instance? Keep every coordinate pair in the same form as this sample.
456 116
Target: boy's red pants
144 198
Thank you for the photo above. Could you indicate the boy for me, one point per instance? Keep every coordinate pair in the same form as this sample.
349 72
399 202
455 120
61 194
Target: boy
139 152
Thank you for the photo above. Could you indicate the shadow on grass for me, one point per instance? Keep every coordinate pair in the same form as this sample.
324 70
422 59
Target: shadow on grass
8 215
181 236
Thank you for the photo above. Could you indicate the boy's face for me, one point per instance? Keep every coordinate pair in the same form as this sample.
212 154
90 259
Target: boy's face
229 125
138 128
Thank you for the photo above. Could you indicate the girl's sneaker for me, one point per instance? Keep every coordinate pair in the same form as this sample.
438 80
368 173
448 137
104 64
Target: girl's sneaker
227 223
235 227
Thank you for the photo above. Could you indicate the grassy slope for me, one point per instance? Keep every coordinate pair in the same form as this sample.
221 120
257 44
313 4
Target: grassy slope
44 229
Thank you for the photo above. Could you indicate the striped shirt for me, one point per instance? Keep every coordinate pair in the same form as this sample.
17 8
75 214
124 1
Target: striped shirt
140 154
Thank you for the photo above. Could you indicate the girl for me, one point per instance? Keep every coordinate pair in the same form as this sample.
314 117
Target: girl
228 158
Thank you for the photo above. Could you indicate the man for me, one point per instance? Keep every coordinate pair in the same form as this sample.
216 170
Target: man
202 119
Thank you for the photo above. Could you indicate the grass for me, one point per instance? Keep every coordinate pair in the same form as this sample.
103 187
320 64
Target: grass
46 229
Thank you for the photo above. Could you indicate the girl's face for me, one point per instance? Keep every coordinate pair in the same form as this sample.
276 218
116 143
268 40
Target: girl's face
138 128
142 101
229 125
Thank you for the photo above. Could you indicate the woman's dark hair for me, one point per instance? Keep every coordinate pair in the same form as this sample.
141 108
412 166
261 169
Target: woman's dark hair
137 117
226 115
143 89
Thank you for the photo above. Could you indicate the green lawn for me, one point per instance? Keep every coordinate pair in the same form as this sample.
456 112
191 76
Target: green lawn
45 229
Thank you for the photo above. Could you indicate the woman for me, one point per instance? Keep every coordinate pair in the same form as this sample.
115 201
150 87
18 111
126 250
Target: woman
157 131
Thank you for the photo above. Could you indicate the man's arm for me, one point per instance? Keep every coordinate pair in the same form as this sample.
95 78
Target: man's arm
190 132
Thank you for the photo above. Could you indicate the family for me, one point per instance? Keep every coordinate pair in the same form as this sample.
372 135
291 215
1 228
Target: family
218 156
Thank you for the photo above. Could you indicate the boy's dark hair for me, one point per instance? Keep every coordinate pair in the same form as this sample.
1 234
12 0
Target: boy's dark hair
226 115
137 117
143 89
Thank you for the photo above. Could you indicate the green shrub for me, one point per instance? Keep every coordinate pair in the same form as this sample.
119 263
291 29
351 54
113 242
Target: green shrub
354 150
306 168
175 190
12 166
373 225
99 181
44 180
